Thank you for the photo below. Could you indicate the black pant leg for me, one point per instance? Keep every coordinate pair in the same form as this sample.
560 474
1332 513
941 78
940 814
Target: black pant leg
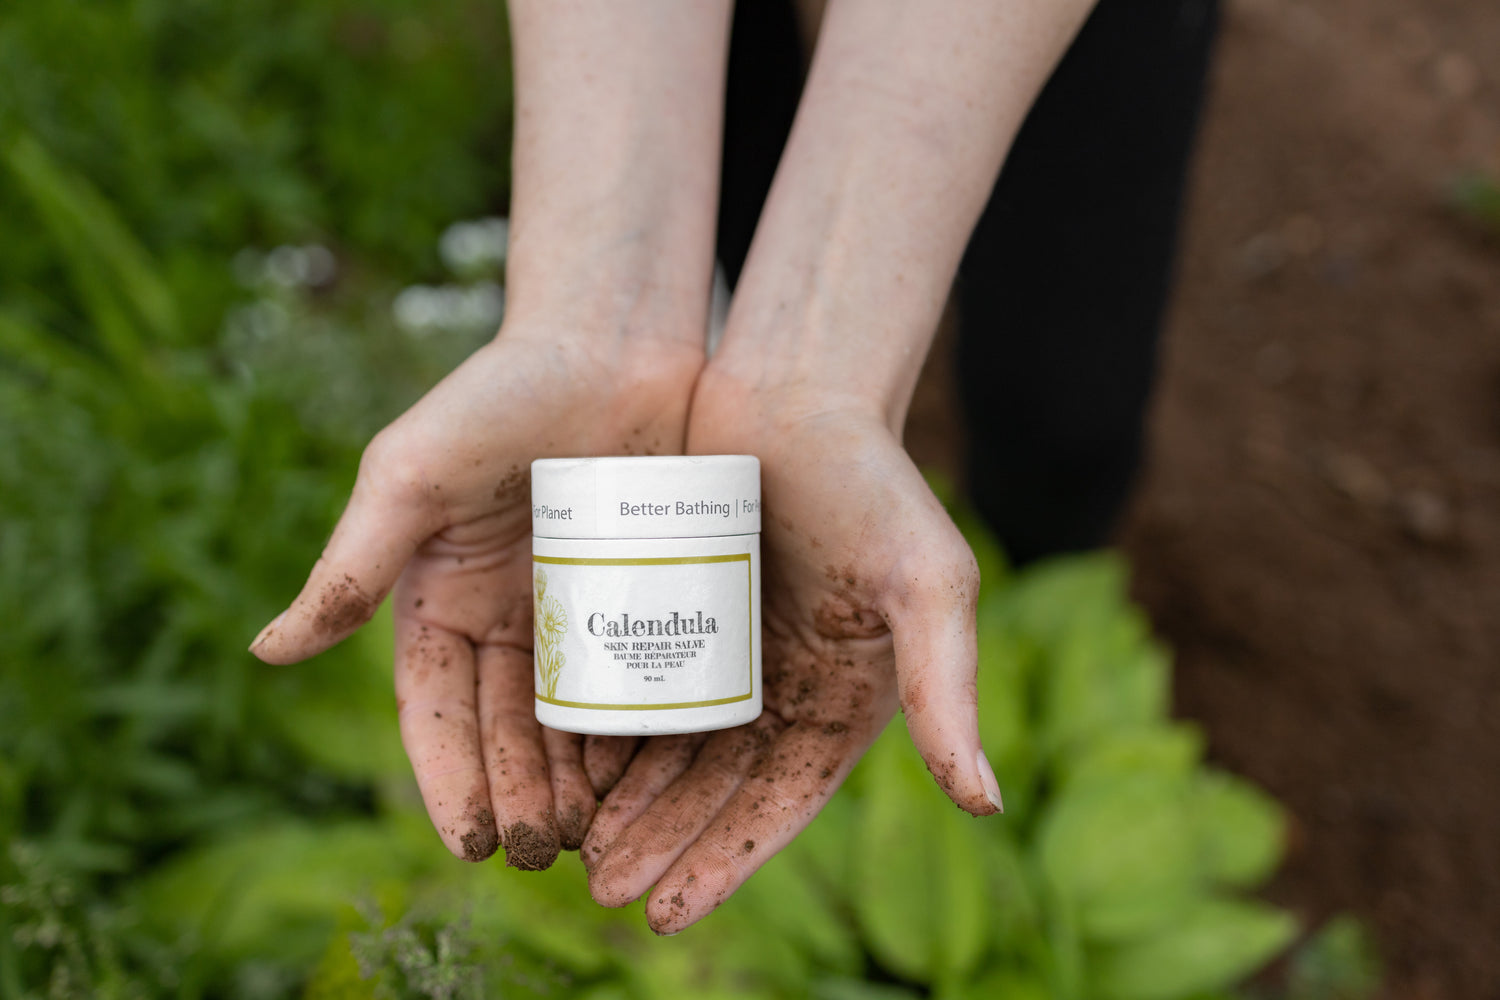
1065 280
760 100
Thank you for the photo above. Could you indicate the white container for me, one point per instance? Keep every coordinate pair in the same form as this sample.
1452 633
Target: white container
646 579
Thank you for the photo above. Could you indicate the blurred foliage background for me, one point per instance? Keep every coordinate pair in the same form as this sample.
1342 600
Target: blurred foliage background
235 246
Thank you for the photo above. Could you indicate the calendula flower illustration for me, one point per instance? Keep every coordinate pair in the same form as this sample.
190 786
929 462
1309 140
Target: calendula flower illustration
551 619
550 624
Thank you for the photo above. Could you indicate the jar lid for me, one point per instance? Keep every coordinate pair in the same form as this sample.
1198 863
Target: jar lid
673 496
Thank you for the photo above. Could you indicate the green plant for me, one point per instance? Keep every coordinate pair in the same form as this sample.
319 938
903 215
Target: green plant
366 124
1116 873
180 821
149 486
158 505
1339 962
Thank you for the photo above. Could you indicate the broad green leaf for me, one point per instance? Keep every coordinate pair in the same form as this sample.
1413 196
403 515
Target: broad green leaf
551 913
781 899
1340 962
999 984
1110 678
1241 830
821 852
1065 963
1066 596
278 890
1170 750
1014 906
895 898
711 961
1122 853
964 927
1212 946
859 989
1003 702
918 894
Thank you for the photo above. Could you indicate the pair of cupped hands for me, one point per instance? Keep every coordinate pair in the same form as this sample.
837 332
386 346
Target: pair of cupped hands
868 603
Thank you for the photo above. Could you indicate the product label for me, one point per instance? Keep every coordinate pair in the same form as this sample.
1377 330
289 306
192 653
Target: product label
677 497
643 632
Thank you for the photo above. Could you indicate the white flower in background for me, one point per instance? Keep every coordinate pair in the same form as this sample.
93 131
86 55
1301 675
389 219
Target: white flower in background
423 309
475 246
287 266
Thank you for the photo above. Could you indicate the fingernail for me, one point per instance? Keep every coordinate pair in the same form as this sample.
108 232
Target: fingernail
267 630
991 786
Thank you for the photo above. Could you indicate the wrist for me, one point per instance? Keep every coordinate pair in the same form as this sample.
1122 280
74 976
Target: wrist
603 292
820 360
734 411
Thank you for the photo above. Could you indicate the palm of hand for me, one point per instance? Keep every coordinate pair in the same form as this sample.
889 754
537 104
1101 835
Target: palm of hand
864 573
441 510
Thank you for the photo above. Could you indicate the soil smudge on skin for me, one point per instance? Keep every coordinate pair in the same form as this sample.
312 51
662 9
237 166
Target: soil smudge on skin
343 607
942 772
572 828
528 848
845 614
516 482
481 841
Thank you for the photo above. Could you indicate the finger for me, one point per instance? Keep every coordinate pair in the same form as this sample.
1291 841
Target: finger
572 794
515 759
806 766
645 849
386 519
661 760
605 759
440 730
932 620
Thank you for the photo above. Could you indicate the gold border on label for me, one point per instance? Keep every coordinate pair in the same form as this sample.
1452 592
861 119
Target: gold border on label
668 561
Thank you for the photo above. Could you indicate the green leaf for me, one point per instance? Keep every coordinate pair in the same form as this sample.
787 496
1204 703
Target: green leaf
1171 751
113 272
1214 945
43 351
919 894
1102 679
821 852
1241 830
783 900
1004 725
277 891
343 715
1065 963
1122 853
859 989
1339 963
999 984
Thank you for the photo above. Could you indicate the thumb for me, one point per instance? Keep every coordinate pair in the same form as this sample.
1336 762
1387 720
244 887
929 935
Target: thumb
932 619
388 516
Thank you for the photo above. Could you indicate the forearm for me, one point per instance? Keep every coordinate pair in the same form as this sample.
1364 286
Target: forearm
616 164
902 129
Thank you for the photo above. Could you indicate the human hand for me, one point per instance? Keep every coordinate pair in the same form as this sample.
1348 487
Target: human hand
441 512
869 600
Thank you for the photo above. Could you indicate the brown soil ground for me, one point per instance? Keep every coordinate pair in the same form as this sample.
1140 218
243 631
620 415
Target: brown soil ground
1318 530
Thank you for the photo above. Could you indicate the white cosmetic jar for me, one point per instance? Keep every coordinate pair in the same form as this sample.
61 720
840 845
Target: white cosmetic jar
646 589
